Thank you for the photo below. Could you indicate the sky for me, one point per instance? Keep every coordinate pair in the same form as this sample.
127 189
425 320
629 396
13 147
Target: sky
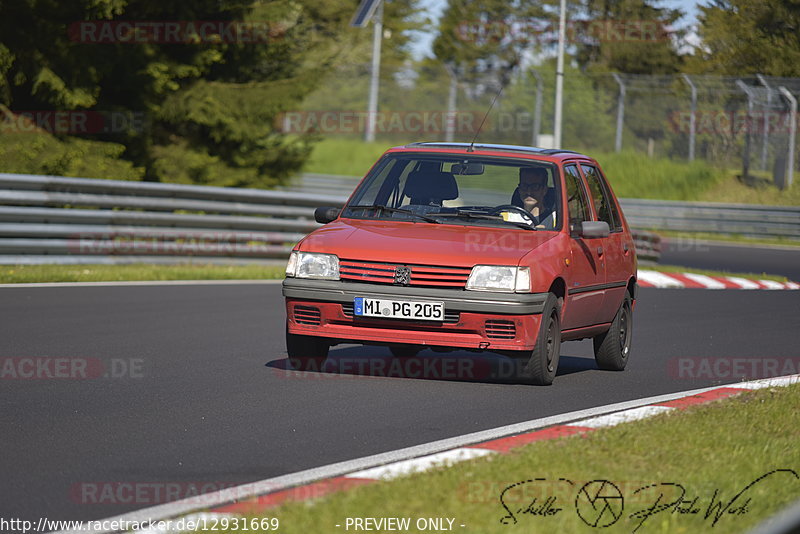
434 8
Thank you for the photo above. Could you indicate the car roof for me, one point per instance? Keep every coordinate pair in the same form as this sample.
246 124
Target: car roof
487 148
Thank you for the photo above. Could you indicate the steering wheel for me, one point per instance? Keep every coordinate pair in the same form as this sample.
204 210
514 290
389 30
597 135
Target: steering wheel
511 207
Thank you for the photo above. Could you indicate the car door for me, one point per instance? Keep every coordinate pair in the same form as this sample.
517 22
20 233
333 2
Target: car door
616 248
586 272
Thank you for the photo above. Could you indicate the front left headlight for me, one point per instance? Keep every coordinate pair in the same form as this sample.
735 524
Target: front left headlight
313 265
500 278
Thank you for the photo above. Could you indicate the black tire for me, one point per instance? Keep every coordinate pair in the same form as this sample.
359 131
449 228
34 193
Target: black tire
306 353
404 351
611 349
543 362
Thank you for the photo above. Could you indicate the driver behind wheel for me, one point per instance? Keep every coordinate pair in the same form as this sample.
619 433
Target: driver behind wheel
533 195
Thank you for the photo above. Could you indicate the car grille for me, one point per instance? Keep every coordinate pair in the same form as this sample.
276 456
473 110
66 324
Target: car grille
499 329
307 315
421 275
449 316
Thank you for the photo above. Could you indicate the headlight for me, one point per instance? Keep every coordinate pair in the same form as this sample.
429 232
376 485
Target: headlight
499 278
313 265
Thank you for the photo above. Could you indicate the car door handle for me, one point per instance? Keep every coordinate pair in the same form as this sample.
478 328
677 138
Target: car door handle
625 247
599 251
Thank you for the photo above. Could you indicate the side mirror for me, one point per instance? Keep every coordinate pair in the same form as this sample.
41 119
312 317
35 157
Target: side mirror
326 214
594 229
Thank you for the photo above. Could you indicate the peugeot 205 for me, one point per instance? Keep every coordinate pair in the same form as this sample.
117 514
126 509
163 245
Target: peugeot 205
454 246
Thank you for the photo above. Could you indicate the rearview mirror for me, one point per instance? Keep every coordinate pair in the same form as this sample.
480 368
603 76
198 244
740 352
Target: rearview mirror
594 229
470 169
326 214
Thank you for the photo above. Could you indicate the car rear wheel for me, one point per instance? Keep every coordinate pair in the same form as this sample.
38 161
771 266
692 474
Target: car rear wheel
306 353
543 362
404 351
611 349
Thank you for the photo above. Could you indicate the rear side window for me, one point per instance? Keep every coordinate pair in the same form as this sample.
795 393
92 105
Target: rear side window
577 204
603 203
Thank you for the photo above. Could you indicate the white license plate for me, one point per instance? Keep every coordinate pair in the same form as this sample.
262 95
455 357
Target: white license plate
398 309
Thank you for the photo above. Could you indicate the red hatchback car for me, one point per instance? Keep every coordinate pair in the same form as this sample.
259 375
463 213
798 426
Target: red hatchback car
480 247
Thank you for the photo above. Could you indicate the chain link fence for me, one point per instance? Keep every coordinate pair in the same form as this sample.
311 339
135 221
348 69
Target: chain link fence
747 122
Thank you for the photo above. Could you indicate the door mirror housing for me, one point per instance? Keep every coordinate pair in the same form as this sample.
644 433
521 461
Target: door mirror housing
326 214
594 229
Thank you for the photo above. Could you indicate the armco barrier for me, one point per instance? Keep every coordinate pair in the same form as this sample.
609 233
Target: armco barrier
51 219
748 220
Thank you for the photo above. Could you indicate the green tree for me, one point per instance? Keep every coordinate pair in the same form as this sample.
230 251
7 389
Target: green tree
747 37
629 36
211 102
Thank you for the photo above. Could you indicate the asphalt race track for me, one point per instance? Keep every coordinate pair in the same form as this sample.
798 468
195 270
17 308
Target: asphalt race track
198 395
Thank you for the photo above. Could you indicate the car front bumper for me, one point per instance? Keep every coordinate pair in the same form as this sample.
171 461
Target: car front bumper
474 319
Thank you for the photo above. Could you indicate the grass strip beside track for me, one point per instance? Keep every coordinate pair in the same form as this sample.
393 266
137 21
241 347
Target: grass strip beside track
20 274
712 451
27 274
632 174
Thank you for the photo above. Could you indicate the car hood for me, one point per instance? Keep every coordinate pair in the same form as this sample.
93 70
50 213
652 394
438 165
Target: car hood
423 243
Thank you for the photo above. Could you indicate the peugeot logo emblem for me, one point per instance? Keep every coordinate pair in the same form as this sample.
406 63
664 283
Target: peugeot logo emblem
402 275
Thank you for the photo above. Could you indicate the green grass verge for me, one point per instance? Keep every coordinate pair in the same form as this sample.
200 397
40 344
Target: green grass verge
25 274
349 157
721 447
759 189
20 274
632 174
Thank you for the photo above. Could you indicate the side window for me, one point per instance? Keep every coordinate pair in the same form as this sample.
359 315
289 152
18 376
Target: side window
603 205
611 204
576 197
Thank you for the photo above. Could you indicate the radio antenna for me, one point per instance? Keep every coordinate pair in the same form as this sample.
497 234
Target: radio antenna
471 148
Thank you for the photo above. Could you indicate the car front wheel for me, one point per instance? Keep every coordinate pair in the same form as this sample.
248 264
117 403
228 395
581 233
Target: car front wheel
611 349
543 362
306 353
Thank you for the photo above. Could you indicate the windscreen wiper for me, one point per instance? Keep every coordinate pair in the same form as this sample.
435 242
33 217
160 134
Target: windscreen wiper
468 214
395 210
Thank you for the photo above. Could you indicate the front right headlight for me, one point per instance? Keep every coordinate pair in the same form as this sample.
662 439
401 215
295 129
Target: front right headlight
500 278
313 265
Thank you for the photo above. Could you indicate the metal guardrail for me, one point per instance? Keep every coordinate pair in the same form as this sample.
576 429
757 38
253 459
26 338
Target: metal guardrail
748 220
50 219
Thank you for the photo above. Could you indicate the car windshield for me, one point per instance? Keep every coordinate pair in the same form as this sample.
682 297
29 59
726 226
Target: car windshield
454 189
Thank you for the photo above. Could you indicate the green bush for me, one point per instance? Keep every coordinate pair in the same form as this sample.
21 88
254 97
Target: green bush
42 153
